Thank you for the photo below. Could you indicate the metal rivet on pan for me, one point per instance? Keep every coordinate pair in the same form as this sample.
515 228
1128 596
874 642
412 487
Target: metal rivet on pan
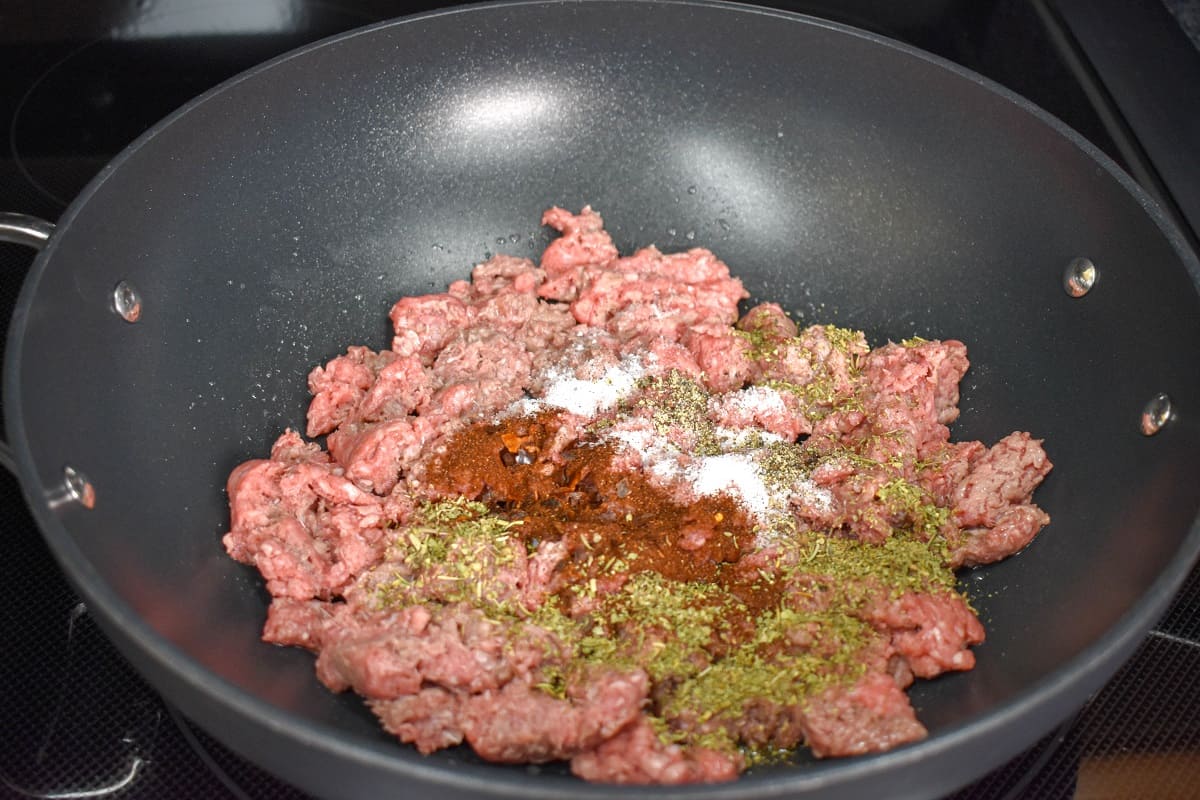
1079 277
127 301
75 488
1156 414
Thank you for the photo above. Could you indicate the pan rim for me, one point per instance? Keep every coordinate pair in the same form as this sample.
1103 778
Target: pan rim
1060 690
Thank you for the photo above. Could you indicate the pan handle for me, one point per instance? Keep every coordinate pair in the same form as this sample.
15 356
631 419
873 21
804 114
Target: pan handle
32 232
23 229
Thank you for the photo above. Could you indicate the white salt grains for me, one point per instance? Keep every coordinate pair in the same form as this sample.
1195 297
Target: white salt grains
588 398
734 473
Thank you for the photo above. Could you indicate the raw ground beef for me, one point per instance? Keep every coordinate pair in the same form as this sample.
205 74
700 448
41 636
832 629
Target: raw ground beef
582 510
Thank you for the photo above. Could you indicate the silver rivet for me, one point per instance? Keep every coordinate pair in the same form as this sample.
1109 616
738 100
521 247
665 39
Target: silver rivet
1079 277
75 488
1156 414
127 301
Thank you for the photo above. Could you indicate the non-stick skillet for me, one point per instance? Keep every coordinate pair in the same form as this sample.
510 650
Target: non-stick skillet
270 223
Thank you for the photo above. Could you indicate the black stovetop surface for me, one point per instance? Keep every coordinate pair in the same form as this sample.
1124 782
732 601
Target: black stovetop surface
79 82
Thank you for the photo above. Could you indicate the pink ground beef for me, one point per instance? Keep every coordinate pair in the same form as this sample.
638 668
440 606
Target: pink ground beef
327 526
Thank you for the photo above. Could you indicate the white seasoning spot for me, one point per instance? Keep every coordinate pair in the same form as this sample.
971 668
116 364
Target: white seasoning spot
525 407
815 497
734 473
738 438
588 398
660 457
757 399
665 470
637 440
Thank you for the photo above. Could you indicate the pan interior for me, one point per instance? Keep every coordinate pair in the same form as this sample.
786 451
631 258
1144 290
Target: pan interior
273 223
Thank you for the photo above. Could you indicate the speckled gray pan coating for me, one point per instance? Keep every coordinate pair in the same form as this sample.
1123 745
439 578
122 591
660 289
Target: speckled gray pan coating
271 223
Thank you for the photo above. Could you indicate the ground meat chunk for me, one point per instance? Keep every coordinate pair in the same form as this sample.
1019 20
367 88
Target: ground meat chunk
854 488
691 288
913 390
522 724
439 677
480 370
762 723
506 312
376 455
307 530
518 723
586 352
290 447
483 353
424 325
501 573
835 355
785 362
947 469
399 388
299 622
548 328
639 323
932 632
431 719
722 354
1006 475
992 502
363 386
926 372
583 243
662 356
394 653
503 274
541 572
871 716
471 399
775 411
637 755
339 386
1015 528
770 321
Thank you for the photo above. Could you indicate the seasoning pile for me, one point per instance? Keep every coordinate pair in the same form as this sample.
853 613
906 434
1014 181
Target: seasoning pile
580 510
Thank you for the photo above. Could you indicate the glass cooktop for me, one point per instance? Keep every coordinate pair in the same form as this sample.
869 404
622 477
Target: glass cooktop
80 81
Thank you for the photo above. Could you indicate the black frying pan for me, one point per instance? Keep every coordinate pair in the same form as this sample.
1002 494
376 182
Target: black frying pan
271 222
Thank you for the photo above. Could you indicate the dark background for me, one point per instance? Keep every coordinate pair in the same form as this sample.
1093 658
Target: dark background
79 81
